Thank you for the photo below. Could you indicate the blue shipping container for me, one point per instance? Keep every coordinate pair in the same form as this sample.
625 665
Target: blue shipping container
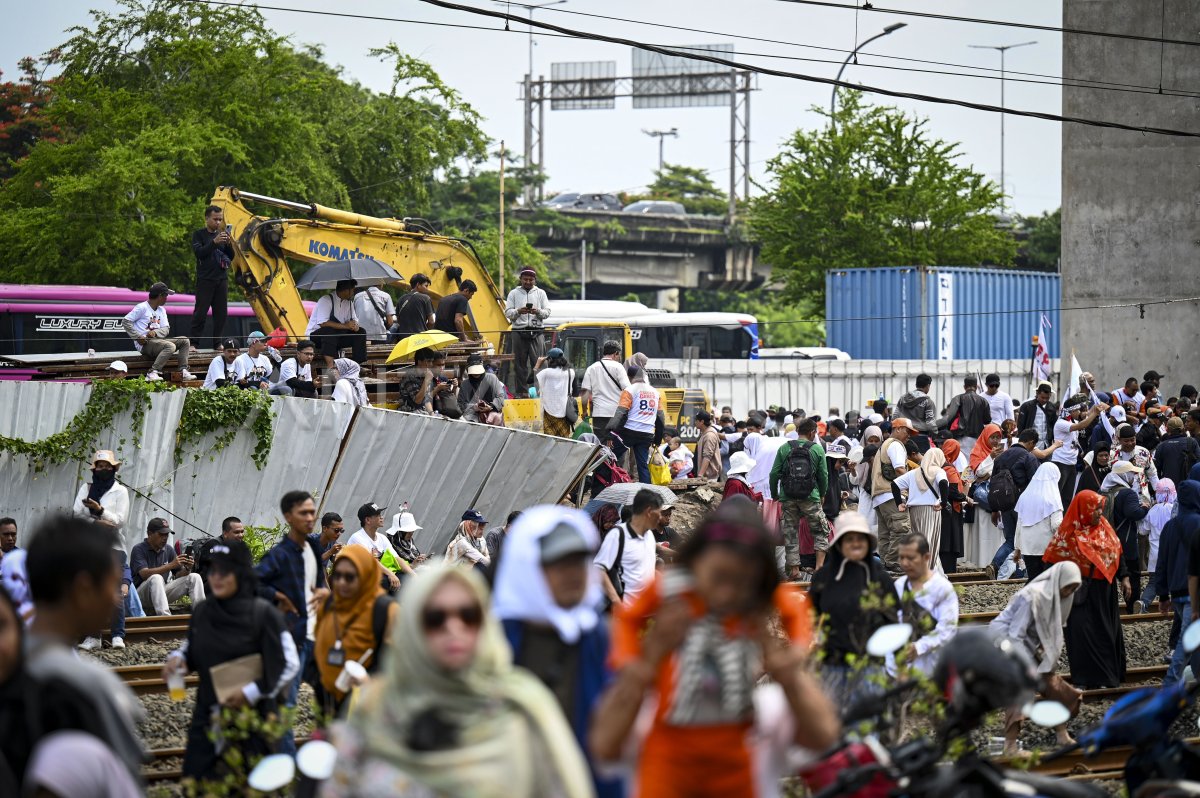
940 313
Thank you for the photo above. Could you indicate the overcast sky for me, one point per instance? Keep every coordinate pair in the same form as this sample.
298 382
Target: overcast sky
605 150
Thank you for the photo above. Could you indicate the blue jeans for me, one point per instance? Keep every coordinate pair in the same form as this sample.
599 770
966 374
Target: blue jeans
1147 596
641 454
1179 659
117 626
1009 521
287 745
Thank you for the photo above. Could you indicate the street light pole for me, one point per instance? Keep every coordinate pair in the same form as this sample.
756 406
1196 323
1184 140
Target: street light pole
1002 49
886 31
660 135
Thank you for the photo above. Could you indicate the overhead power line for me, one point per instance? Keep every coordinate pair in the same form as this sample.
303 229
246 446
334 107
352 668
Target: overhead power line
737 65
866 6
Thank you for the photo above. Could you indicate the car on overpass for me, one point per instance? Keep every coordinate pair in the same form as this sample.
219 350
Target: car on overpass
573 201
655 206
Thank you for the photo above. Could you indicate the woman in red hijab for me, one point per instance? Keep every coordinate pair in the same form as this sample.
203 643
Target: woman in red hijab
951 547
1095 642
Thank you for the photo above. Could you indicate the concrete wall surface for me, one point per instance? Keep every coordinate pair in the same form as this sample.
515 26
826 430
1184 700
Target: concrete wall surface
1131 201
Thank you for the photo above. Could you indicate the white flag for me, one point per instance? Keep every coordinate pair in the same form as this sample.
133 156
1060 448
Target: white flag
1076 376
1041 357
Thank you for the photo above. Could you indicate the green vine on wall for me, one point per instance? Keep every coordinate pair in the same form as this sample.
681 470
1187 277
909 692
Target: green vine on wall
225 411
109 399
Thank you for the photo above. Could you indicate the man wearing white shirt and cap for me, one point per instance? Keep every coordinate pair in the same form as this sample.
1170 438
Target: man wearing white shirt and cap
221 371
253 367
106 502
369 537
149 328
117 370
527 309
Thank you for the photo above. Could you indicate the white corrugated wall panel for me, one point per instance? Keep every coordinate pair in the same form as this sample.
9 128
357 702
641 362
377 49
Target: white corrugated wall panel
817 385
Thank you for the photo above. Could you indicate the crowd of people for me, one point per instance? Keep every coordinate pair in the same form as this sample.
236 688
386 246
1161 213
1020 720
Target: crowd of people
553 653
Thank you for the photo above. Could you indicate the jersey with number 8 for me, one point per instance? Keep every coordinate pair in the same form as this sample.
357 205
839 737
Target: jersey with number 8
642 402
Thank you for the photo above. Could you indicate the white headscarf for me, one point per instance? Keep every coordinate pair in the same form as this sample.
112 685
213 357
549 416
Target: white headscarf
872 431
521 592
1112 479
763 450
348 370
1051 610
1041 499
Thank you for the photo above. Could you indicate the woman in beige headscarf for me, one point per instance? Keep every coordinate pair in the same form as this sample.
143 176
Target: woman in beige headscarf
453 716
920 492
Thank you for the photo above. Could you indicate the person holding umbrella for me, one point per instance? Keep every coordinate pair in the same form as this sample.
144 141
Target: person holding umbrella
334 324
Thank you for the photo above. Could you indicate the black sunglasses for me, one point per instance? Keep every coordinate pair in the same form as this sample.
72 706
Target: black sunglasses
434 618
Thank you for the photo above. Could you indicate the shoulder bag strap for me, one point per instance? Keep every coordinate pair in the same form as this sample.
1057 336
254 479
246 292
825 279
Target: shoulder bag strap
931 488
604 368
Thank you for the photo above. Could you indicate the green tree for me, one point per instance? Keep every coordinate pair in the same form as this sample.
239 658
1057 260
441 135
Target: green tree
1042 247
23 120
781 322
689 186
873 188
163 101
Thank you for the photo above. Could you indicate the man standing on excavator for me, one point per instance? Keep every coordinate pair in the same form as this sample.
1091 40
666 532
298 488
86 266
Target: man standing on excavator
213 249
526 309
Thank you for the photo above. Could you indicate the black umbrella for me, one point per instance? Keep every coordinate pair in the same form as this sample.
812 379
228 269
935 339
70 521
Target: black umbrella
364 271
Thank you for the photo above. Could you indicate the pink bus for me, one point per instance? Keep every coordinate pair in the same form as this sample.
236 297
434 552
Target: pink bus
68 319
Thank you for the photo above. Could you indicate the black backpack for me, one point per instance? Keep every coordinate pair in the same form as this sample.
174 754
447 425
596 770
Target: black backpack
1002 493
799 479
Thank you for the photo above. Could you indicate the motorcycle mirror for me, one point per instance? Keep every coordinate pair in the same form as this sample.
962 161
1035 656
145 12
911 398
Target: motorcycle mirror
889 639
1191 637
1048 714
316 759
273 773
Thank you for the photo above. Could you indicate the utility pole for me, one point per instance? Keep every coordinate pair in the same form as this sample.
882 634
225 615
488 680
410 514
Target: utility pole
1002 49
583 268
660 135
500 245
890 29
529 161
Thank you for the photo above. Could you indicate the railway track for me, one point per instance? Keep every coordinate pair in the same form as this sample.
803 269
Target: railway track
164 767
147 679
154 628
1145 617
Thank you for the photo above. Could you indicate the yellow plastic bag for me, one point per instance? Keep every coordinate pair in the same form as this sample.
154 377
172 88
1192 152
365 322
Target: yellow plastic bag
660 472
523 414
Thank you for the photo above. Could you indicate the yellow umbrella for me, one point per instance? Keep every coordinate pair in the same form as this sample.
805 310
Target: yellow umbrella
433 339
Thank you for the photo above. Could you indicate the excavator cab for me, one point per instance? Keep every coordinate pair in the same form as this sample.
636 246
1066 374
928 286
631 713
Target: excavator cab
583 343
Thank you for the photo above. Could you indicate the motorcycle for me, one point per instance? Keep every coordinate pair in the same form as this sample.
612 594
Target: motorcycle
1161 765
978 672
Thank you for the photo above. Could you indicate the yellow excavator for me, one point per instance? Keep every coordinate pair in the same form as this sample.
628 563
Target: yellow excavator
315 233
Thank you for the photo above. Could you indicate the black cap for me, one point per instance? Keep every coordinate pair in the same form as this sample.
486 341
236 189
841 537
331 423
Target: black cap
230 343
160 289
158 525
1152 375
369 510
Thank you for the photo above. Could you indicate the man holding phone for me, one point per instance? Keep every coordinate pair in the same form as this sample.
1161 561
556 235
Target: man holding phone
213 248
527 308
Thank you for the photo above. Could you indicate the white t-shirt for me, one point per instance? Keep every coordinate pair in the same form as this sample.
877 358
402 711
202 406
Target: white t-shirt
1001 405
554 387
218 369
291 368
329 307
310 579
918 494
1068 453
256 369
147 321
898 456
377 545
606 392
637 561
365 304
643 407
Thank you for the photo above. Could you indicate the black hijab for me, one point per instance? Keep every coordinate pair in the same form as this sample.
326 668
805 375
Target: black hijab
102 481
228 624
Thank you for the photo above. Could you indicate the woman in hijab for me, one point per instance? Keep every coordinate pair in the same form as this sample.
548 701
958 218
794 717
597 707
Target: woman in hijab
451 715
872 435
231 623
952 547
988 448
1163 510
838 588
349 388
762 451
605 518
699 662
1034 619
1039 513
554 381
923 492
546 596
1125 511
354 621
1095 642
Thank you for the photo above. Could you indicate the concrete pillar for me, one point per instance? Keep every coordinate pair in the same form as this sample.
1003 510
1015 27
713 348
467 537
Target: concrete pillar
668 299
1131 201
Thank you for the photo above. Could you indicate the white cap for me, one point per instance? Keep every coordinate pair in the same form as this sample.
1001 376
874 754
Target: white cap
875 418
119 365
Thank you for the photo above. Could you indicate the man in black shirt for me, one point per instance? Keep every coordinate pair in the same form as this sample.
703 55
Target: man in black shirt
214 252
454 310
414 311
232 529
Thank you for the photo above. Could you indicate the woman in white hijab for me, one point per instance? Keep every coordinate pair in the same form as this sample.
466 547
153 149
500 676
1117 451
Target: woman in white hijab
922 492
1039 512
763 450
1034 619
349 388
